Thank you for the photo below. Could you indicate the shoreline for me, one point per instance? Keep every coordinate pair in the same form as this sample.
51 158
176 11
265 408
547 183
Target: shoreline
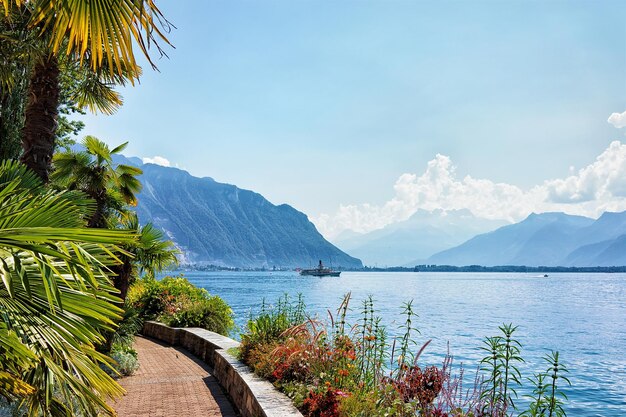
424 268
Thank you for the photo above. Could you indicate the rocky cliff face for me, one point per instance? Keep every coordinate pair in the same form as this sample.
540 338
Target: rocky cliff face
224 225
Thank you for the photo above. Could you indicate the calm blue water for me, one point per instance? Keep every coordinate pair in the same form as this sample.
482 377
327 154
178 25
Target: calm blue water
583 316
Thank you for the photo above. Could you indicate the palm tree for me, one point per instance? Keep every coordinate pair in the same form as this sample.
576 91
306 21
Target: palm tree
92 171
79 85
150 253
55 297
114 187
100 33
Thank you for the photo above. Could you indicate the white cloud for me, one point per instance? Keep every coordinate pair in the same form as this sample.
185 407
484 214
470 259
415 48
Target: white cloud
158 160
602 180
597 187
618 119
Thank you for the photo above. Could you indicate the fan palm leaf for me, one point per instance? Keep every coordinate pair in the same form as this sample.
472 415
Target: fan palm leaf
93 172
102 31
56 299
152 251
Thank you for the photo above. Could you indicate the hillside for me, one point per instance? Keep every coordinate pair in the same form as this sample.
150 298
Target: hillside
221 224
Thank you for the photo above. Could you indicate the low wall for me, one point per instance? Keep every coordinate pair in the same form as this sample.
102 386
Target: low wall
253 396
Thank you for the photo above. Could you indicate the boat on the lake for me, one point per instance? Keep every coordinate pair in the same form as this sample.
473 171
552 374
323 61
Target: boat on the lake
320 271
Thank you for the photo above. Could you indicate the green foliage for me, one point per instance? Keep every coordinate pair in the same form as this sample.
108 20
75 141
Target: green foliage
343 370
296 391
79 87
405 354
88 72
15 43
93 172
210 313
114 188
491 365
176 302
511 356
555 372
538 406
153 253
267 328
339 370
127 328
125 360
55 297
547 398
501 366
68 128
11 120
99 36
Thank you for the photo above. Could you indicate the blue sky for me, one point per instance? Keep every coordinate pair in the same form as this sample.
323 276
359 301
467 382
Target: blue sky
329 104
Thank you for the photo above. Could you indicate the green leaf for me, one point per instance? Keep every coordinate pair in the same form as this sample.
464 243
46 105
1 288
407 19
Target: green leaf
5 274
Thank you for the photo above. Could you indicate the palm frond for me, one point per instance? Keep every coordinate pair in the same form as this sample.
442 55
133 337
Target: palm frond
56 299
106 29
97 148
97 95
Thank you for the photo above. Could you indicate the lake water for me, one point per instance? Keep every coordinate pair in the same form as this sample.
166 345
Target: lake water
583 316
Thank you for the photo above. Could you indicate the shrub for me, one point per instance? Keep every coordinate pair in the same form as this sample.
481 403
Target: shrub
176 302
125 360
323 402
261 359
127 328
125 363
210 313
415 384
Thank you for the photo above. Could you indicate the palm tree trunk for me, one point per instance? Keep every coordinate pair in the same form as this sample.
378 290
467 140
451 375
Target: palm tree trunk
123 274
41 117
98 219
121 281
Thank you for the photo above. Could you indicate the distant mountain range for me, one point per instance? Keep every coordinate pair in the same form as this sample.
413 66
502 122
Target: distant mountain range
220 224
412 241
547 239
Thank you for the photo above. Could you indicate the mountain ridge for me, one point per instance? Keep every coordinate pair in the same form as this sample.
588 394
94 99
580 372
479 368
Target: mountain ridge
413 240
224 225
546 239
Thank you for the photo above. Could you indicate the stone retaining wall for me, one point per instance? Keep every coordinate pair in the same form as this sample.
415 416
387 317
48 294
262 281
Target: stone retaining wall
253 396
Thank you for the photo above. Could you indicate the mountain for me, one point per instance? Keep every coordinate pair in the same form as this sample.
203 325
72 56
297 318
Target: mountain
607 253
415 239
221 224
546 239
602 244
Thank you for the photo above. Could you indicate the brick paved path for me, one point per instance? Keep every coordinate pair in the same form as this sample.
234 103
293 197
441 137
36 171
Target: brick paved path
171 382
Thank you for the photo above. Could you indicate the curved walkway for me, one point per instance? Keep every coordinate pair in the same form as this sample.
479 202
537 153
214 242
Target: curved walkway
171 382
